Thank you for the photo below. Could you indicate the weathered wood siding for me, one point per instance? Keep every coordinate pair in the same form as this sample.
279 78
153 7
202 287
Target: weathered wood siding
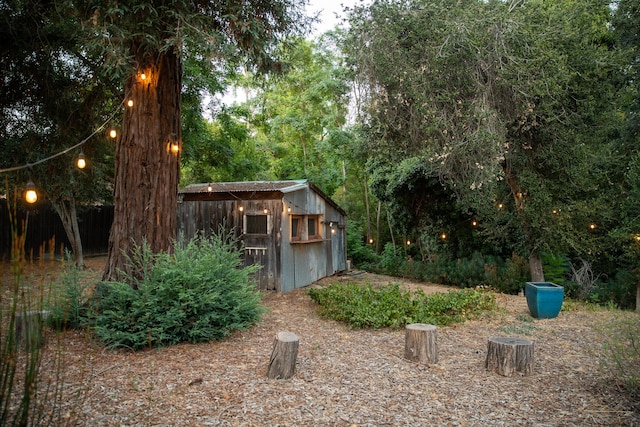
205 217
306 262
285 265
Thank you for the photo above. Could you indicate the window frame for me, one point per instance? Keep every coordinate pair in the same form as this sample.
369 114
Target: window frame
299 228
245 223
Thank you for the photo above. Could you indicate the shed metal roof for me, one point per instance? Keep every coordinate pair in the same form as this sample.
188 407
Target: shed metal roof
286 186
245 186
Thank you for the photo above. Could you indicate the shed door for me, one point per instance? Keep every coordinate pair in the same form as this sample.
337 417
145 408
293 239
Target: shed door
260 248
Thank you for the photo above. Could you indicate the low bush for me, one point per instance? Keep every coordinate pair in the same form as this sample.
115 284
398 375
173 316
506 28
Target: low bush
197 294
68 306
622 350
363 306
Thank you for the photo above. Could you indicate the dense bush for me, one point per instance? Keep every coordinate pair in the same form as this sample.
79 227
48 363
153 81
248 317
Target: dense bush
199 293
477 270
363 306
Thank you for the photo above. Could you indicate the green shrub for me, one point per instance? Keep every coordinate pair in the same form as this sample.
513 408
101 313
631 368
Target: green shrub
363 306
68 307
622 350
197 294
556 268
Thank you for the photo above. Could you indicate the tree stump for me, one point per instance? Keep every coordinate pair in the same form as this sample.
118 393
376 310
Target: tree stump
282 364
29 328
507 356
421 343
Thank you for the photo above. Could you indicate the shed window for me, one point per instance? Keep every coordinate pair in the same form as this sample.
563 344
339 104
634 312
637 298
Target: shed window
312 227
305 228
255 224
296 223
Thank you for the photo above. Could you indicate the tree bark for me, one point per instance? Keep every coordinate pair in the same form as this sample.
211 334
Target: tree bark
506 356
638 298
66 210
146 167
421 343
535 267
282 364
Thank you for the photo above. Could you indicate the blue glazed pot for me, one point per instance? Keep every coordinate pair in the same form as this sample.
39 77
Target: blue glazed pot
544 299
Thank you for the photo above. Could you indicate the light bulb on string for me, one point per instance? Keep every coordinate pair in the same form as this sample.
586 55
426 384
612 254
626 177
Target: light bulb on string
113 133
130 103
30 195
175 147
81 162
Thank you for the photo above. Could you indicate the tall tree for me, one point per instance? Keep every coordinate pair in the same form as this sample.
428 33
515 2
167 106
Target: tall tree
51 100
146 42
301 115
626 23
501 101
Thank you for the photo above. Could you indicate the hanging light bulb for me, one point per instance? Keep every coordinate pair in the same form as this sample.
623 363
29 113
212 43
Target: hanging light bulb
130 103
209 188
30 194
143 76
81 162
175 147
113 134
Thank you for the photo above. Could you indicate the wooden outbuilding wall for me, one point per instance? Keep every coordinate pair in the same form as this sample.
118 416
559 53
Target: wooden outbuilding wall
286 264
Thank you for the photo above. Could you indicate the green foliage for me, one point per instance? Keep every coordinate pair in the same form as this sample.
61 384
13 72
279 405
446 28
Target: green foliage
68 305
476 270
363 306
197 294
360 252
622 350
556 268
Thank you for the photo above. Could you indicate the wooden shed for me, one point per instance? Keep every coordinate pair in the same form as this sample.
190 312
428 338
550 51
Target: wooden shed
291 228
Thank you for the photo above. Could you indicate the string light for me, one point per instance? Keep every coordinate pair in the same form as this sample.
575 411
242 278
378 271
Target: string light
30 195
408 242
593 226
474 223
370 241
113 134
81 161
175 147
241 208
143 76
66 150
130 103
443 236
209 188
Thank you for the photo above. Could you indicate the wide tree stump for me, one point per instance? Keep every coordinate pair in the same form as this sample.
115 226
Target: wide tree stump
421 343
282 364
506 356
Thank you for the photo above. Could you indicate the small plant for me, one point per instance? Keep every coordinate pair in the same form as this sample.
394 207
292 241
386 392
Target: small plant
363 306
525 327
622 350
68 306
197 294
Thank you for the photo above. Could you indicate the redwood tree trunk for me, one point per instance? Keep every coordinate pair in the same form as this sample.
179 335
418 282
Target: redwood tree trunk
146 168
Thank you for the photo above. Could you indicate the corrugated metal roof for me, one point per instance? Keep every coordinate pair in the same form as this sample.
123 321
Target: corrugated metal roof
246 186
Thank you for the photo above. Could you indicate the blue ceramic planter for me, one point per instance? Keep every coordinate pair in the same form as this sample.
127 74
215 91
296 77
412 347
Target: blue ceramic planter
544 299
